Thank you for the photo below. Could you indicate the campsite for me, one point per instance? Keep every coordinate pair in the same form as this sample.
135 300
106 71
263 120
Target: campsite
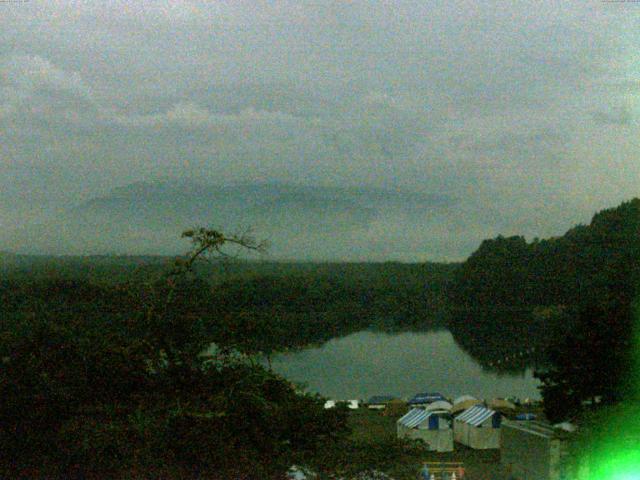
372 430
427 440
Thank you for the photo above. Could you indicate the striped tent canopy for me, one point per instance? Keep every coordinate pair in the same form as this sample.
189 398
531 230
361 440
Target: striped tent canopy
415 417
476 415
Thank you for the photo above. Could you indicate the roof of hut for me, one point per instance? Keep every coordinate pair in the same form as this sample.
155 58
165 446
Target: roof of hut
439 405
463 398
501 404
476 415
465 404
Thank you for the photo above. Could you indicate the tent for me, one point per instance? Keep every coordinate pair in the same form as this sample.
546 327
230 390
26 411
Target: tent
566 426
432 428
502 405
526 416
425 398
463 403
353 404
379 402
478 427
463 398
440 405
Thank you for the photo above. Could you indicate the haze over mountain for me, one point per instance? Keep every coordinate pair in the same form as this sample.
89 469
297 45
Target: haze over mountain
302 222
529 117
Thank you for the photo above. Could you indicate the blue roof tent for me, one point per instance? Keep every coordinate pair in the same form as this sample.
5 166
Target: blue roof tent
417 417
478 427
426 398
432 428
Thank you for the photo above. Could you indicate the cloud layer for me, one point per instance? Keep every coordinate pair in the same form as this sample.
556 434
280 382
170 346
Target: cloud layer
529 116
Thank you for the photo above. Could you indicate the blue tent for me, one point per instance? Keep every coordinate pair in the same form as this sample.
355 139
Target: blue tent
426 398
526 416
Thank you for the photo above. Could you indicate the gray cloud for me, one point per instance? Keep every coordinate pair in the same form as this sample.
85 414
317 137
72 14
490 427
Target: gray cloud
527 115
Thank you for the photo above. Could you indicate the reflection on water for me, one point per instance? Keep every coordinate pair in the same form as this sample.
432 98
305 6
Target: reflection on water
367 363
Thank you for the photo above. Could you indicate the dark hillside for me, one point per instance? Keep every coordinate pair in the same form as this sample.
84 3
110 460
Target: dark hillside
544 283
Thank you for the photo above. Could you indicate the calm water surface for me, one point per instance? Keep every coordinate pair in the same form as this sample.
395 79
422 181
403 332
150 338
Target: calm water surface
370 363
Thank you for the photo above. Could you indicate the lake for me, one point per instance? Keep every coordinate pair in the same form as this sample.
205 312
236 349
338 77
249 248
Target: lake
372 363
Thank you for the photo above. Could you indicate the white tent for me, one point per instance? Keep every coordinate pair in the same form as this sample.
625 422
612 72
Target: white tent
478 427
463 398
351 404
440 405
502 405
464 402
432 428
566 426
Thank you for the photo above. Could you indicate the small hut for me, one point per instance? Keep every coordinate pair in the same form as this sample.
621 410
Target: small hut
432 428
478 427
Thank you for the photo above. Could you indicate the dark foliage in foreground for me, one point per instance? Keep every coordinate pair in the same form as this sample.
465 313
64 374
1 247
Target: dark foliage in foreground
121 387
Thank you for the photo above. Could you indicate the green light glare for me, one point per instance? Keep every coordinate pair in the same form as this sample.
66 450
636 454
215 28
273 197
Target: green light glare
614 453
618 466
611 448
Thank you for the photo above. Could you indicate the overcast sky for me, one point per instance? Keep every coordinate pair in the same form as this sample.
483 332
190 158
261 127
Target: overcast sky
528 112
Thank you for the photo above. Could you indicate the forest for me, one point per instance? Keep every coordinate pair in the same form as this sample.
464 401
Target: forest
267 306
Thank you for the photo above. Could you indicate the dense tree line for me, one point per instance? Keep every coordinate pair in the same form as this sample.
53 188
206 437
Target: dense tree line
598 259
266 307
277 313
